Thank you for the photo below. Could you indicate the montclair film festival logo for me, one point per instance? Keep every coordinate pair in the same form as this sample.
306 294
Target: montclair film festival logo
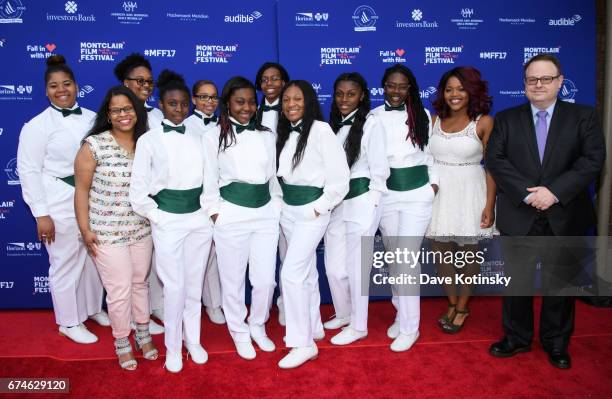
339 55
405 259
214 53
100 51
442 54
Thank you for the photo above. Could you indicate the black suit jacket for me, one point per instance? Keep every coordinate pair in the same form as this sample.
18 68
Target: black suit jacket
573 158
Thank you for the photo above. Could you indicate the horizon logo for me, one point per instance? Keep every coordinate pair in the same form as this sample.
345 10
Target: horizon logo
243 18
565 21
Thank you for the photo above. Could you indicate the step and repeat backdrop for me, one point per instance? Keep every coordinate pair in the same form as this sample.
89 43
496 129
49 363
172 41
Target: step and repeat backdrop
314 40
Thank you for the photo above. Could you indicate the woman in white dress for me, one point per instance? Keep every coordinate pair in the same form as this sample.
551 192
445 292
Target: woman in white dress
464 209
48 145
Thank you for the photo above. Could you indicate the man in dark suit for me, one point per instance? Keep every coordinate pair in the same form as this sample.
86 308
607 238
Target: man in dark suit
543 156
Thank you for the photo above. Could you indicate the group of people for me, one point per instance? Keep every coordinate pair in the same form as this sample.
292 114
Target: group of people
161 200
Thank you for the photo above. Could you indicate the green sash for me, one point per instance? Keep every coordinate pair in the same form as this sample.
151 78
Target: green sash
358 186
178 201
405 179
299 195
245 194
68 180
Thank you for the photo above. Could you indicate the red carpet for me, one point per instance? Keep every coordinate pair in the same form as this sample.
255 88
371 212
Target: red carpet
438 365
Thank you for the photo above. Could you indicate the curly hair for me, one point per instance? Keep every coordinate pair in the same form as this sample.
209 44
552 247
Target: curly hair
129 63
479 101
169 80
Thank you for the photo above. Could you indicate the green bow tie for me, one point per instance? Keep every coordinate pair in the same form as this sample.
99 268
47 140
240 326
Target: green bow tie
241 128
66 112
297 128
205 119
271 107
347 122
179 129
398 108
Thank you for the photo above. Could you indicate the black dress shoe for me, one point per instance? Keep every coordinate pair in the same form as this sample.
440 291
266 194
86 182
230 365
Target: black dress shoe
504 348
560 359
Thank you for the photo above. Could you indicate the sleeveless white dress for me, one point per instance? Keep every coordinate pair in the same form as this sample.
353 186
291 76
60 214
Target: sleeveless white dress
462 194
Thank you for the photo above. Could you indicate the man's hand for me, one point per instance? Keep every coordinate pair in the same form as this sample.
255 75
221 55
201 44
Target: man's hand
541 198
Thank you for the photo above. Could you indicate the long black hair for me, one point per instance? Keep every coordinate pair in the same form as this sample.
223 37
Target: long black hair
312 112
169 80
227 136
57 63
102 121
267 65
129 63
352 145
417 120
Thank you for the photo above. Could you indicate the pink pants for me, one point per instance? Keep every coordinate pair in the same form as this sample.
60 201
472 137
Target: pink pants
124 271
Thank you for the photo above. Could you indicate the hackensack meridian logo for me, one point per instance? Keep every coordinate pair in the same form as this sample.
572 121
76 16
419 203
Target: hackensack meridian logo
243 18
129 16
318 19
11 11
565 21
365 18
392 56
187 17
214 53
41 51
11 172
100 51
338 55
530 52
72 14
442 54
568 91
467 22
516 21
418 21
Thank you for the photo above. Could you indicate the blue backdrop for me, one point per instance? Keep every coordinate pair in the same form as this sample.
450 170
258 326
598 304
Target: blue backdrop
316 40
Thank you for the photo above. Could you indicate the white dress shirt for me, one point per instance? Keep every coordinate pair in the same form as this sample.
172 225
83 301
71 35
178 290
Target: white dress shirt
270 118
251 159
196 123
154 116
47 147
323 165
165 161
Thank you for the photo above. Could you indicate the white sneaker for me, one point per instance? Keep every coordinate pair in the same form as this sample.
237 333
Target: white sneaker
79 334
318 336
281 315
158 313
245 350
403 342
174 362
299 356
348 335
264 343
337 322
101 318
393 331
215 315
197 352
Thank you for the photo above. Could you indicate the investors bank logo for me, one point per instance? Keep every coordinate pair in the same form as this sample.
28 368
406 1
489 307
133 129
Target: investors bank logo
72 13
417 20
128 14
214 53
11 11
365 18
568 91
100 51
442 54
339 55
468 21
571 21
317 19
243 18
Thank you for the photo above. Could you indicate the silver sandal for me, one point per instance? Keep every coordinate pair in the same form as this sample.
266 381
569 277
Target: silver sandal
122 347
143 337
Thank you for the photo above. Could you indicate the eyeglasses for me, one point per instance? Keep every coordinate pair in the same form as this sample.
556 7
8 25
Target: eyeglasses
206 98
141 81
395 87
117 111
545 80
266 79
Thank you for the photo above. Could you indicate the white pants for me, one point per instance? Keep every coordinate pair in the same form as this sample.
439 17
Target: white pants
282 251
249 238
299 275
336 263
76 288
156 296
182 243
211 291
407 214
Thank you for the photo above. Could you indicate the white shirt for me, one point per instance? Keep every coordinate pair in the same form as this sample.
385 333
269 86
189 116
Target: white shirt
154 117
401 153
323 165
372 161
165 161
48 144
197 123
270 118
251 159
